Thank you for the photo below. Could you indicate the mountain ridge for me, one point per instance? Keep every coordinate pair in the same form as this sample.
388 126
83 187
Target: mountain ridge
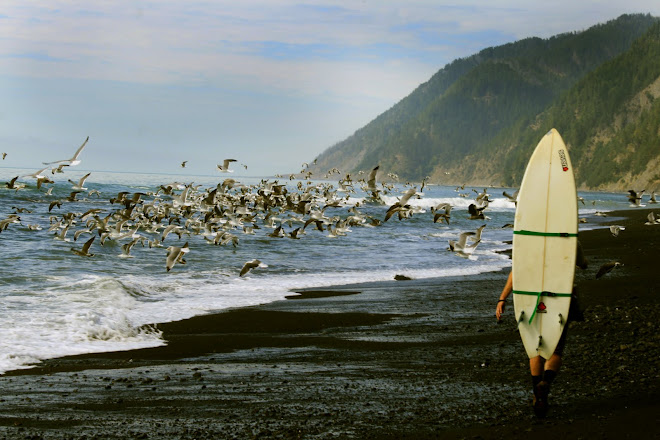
477 119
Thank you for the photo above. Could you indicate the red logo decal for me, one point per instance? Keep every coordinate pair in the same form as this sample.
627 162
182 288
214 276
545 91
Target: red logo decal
563 160
541 307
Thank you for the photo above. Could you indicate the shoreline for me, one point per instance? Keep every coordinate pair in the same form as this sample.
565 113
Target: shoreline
384 363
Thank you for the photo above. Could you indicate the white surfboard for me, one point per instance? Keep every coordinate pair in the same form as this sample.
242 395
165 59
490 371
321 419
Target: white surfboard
544 246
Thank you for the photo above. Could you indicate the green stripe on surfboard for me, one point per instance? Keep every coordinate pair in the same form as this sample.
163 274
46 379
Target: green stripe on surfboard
538 298
545 234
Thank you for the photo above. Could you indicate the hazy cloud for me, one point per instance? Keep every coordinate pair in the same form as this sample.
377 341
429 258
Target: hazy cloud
354 58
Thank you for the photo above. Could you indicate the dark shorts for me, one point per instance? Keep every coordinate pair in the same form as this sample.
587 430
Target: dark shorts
574 314
559 351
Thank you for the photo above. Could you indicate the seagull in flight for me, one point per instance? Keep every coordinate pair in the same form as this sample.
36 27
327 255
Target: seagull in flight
175 255
74 160
616 229
635 197
652 199
224 168
652 220
461 245
37 174
253 264
79 186
438 215
511 197
84 252
371 180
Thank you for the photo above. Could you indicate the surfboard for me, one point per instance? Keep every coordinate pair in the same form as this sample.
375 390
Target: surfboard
544 246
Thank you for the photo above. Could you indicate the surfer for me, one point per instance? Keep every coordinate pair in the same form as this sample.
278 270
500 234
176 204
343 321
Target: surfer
543 370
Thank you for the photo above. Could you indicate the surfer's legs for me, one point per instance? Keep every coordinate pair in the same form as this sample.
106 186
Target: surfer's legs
552 364
543 373
536 365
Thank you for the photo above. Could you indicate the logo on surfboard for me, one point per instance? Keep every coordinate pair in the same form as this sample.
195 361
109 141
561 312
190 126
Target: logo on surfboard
542 308
562 159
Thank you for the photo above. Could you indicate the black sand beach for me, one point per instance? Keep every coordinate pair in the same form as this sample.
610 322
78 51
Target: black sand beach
374 361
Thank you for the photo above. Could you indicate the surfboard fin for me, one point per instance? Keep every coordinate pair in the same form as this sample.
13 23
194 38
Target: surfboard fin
561 319
540 342
521 317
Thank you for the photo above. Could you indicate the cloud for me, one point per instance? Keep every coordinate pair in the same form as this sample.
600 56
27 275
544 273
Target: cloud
305 73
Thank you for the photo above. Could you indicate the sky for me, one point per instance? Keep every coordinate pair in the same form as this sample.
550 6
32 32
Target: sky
270 83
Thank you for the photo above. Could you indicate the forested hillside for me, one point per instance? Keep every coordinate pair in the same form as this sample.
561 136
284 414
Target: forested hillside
478 118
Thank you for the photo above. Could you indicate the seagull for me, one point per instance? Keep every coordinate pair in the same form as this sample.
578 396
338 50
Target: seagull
511 197
635 197
652 199
224 168
651 219
183 164
79 232
11 218
407 195
461 244
402 210
74 160
79 186
371 181
476 213
615 229
126 248
439 215
13 185
253 264
37 174
53 204
607 268
62 234
175 255
401 206
483 196
84 252
170 228
59 168
72 196
477 235
4 155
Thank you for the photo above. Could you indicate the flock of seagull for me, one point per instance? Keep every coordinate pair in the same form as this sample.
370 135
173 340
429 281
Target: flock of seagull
222 213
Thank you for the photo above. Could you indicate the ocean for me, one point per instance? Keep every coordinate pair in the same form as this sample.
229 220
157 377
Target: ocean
56 303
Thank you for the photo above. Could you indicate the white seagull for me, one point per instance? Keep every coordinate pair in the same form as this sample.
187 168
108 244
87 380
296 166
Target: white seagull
79 186
74 160
224 168
371 180
652 220
175 255
461 244
616 229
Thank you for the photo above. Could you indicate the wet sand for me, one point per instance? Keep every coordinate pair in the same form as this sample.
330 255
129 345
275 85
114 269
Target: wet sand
372 361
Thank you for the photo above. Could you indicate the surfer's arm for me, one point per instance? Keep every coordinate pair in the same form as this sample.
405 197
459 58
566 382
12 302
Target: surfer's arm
501 303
